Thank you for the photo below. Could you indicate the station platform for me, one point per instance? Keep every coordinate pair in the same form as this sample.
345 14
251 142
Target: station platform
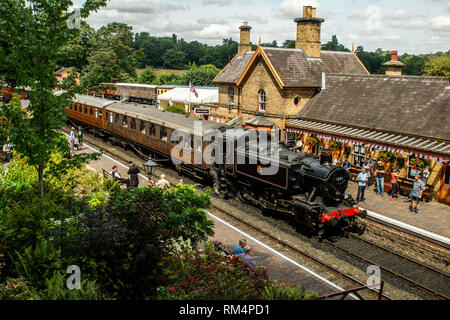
433 219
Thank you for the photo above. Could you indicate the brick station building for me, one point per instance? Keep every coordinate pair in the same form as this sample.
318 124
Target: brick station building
277 83
374 116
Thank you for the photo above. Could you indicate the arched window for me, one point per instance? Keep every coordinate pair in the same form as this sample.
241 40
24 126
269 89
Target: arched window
262 100
231 95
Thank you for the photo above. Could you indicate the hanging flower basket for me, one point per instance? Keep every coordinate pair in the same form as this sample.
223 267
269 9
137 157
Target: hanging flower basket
312 141
336 145
419 164
387 157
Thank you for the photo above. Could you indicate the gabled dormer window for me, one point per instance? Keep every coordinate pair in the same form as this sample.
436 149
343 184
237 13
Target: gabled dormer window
262 100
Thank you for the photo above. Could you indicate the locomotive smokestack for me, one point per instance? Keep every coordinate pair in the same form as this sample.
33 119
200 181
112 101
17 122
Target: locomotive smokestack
326 156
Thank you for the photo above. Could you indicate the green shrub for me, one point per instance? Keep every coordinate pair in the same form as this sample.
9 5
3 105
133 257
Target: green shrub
284 292
16 289
210 275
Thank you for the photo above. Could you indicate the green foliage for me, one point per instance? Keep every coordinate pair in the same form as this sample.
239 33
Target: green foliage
112 58
169 78
76 52
334 45
16 289
148 76
174 59
438 66
29 57
284 292
175 108
56 290
201 76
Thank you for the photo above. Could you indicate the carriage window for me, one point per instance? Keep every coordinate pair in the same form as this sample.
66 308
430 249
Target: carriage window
359 153
117 119
163 133
142 127
124 122
85 109
96 113
91 113
75 107
107 116
133 124
152 130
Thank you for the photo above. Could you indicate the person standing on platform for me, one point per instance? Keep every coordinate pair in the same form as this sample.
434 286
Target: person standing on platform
362 184
80 138
133 172
416 194
379 172
240 247
72 139
394 182
367 167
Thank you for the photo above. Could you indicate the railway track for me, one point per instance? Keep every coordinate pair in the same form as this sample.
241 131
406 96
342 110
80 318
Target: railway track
428 279
434 288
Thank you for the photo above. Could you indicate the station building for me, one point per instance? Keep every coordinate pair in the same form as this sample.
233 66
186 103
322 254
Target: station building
328 99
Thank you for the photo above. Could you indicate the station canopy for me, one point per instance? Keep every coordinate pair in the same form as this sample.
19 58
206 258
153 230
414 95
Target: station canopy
186 96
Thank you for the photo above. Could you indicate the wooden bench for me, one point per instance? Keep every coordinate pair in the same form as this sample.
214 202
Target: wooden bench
107 175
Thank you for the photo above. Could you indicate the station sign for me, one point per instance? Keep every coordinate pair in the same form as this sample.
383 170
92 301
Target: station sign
202 111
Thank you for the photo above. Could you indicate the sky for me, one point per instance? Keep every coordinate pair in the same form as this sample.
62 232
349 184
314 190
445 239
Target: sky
408 26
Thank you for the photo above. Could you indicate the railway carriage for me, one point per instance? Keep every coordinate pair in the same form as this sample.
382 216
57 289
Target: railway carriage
140 93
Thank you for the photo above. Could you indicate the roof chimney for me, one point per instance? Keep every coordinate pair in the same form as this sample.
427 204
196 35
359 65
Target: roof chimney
244 44
308 32
394 67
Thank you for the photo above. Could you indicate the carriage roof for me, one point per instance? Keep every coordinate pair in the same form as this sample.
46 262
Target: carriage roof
168 119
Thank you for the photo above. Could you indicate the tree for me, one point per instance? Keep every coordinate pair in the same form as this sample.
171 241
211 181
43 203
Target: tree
169 78
289 44
334 45
113 58
76 52
201 76
438 66
148 76
30 53
174 59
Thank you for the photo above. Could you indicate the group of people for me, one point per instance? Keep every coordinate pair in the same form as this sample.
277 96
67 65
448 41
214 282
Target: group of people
76 139
244 252
133 173
380 171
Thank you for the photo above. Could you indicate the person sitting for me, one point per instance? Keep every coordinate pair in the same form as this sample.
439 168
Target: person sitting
162 182
347 165
116 175
240 247
246 257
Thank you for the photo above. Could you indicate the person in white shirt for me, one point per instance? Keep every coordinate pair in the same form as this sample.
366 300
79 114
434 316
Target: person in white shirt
72 139
116 175
162 182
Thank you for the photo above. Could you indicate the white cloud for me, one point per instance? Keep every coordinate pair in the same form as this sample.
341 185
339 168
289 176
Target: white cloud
441 23
215 31
220 3
290 9
411 24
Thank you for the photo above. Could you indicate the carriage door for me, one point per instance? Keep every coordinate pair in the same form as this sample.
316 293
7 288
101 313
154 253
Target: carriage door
444 191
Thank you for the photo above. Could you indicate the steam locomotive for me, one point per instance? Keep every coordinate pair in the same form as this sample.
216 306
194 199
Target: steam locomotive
266 175
307 186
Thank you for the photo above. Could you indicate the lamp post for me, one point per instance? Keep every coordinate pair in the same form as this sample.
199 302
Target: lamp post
150 167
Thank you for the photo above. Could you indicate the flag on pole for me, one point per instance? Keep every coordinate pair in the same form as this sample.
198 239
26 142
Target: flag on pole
193 90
